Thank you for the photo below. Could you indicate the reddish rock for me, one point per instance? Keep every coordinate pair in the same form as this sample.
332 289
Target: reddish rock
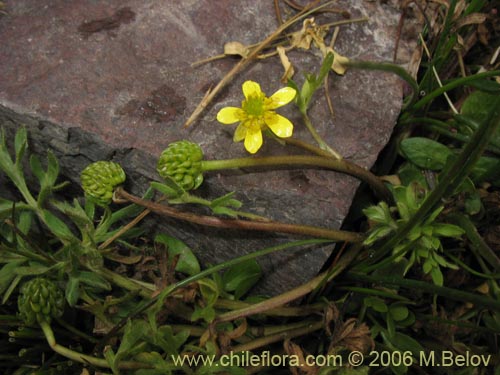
113 80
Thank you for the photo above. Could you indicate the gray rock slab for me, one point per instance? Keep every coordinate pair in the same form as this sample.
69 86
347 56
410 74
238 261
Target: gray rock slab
113 80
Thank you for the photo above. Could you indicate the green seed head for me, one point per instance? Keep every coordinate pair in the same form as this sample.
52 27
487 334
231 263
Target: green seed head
99 179
40 300
181 161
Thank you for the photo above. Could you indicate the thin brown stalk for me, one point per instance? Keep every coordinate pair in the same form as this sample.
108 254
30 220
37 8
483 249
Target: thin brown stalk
211 221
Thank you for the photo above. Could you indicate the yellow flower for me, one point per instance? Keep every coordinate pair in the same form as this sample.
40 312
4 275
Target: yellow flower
257 114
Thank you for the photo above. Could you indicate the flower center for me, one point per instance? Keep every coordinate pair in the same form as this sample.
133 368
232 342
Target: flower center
254 105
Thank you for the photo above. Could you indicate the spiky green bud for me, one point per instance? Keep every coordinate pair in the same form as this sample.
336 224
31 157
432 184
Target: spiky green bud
182 162
99 179
40 300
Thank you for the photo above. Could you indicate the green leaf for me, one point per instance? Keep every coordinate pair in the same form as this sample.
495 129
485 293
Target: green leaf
409 321
134 331
206 313
406 343
379 213
476 108
409 173
209 290
36 168
426 153
433 215
226 201
20 145
312 83
34 269
325 68
447 230
7 273
241 277
165 339
398 312
391 326
109 355
377 233
94 280
478 104
57 226
75 212
437 276
376 304
487 169
171 189
72 291
13 285
485 85
187 262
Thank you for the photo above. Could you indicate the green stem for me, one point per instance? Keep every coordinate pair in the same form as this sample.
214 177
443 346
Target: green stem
144 290
84 358
454 84
391 68
477 243
322 144
454 294
342 166
449 179
266 226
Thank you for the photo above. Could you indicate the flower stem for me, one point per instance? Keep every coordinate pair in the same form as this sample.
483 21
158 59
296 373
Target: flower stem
304 160
266 226
322 144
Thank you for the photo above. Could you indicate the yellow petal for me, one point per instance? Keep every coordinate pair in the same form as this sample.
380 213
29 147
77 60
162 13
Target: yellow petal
281 97
253 141
240 133
281 126
229 115
251 88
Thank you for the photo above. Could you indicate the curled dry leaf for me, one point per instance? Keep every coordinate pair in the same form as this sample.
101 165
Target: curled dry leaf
352 336
471 19
226 337
236 48
310 33
300 366
287 65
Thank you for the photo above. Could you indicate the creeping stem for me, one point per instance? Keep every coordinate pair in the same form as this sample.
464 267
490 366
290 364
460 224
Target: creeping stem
342 166
267 226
